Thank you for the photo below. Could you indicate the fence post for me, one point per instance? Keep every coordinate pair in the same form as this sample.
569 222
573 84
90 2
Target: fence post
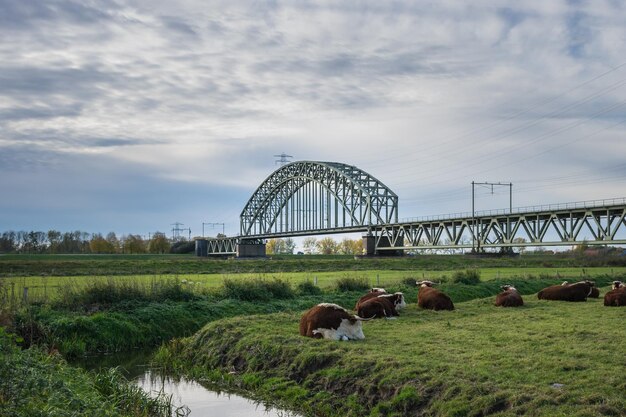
315 281
377 280
12 295
25 295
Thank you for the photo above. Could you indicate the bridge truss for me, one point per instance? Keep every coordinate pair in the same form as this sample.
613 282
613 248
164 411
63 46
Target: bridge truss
591 222
309 197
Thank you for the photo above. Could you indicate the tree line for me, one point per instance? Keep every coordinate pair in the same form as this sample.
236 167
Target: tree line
56 242
313 246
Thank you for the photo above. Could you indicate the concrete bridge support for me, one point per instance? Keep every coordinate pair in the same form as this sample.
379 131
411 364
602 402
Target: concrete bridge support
251 249
371 249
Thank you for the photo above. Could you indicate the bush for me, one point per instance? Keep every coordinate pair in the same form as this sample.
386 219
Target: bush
112 291
257 289
467 277
308 288
409 281
352 284
183 247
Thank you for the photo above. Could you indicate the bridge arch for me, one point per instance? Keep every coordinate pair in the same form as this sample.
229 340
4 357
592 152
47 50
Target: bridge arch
308 197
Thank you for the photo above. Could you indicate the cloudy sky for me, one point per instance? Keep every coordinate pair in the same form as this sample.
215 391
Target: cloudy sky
131 115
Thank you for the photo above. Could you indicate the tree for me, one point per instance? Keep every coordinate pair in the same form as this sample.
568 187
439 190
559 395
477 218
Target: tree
114 241
98 244
309 244
518 240
350 246
274 246
159 243
54 240
134 244
7 242
327 246
290 246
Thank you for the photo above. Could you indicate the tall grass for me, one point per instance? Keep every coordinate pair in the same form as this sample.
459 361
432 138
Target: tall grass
111 291
352 284
257 289
34 382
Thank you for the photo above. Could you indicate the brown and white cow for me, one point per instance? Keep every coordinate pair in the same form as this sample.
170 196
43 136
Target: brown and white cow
595 292
374 292
431 298
578 291
617 296
509 297
382 306
377 308
330 321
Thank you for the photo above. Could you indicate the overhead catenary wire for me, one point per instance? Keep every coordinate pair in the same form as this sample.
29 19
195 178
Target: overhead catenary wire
443 143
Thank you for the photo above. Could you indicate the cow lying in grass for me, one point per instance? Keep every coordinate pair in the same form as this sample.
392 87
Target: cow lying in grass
373 293
381 306
578 291
330 321
617 296
431 298
509 297
595 292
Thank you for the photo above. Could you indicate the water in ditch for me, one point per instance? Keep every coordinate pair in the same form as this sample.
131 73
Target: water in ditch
196 400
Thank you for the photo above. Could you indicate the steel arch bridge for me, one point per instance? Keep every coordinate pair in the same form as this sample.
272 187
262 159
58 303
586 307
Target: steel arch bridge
310 197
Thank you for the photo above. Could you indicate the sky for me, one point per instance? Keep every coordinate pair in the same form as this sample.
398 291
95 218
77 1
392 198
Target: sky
129 116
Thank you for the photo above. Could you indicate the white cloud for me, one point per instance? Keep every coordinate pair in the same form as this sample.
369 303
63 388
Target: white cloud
426 97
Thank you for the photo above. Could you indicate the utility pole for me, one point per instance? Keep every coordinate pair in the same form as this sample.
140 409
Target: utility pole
475 227
283 159
213 226
176 231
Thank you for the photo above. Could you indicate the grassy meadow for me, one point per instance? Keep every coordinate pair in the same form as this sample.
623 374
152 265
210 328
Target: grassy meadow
235 323
49 288
544 359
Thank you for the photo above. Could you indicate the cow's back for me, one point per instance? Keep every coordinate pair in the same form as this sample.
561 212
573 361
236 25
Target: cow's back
509 299
615 298
433 299
367 297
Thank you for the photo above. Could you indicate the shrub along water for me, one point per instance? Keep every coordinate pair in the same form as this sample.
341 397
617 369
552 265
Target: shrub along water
36 383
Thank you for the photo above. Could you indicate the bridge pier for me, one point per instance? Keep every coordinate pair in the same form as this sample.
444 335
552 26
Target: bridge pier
252 248
370 249
202 247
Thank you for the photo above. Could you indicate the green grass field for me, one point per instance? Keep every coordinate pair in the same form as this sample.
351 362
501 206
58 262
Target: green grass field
544 359
48 287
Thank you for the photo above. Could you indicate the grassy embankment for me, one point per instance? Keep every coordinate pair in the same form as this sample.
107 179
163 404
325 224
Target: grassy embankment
35 383
544 359
108 265
51 288
112 315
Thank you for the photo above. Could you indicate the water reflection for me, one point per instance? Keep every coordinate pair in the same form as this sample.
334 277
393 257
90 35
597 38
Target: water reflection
204 402
201 401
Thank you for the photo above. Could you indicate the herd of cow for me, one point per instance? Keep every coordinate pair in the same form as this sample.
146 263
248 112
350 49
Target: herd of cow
330 321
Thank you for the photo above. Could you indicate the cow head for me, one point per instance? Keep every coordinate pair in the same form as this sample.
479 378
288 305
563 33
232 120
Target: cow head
617 284
424 283
508 287
378 290
399 300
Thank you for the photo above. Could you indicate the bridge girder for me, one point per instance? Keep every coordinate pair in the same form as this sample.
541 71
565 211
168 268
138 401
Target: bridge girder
601 225
313 197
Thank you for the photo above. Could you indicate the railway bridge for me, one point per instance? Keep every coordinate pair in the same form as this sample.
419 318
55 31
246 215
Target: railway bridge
315 198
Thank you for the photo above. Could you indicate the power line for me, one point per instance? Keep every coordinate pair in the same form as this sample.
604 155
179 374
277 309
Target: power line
439 144
283 159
